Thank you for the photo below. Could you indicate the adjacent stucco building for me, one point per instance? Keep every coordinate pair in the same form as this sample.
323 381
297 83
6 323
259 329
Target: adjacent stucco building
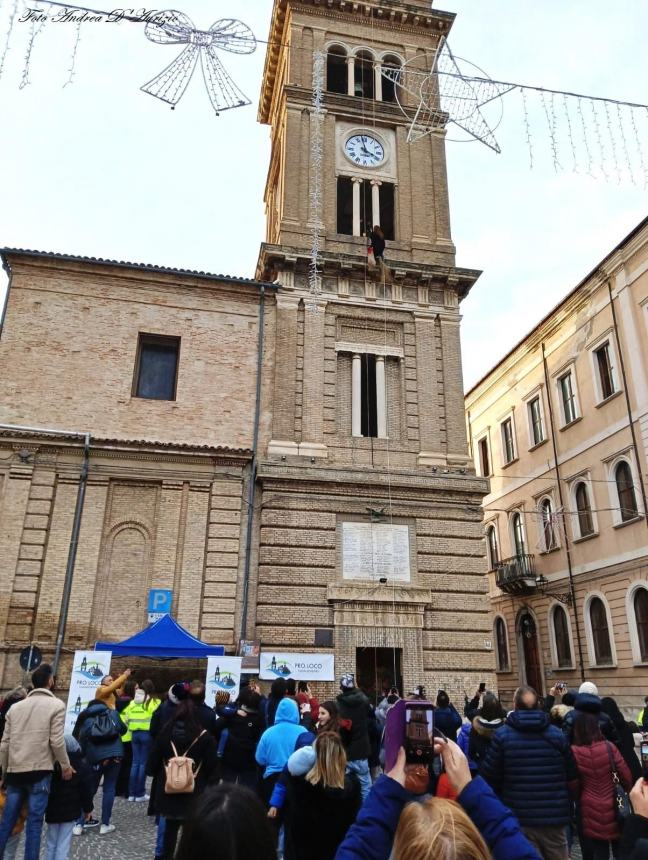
560 428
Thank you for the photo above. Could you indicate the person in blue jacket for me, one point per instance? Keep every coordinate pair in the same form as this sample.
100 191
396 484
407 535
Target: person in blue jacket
380 828
529 764
277 745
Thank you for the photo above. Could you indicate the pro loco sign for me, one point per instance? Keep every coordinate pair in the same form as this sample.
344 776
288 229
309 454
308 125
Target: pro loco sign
300 666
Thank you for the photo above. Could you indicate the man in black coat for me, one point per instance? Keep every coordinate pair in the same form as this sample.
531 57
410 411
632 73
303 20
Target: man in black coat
354 708
529 764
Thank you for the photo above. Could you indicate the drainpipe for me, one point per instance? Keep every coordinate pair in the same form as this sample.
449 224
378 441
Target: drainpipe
253 473
570 571
76 527
5 305
626 392
72 551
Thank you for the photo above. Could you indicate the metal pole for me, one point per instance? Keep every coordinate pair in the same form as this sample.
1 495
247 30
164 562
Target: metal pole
253 473
570 572
74 543
28 669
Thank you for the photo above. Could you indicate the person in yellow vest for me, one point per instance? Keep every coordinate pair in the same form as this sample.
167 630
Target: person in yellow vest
137 716
107 689
642 715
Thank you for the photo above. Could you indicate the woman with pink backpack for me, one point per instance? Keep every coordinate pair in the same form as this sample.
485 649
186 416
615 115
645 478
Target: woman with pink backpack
183 760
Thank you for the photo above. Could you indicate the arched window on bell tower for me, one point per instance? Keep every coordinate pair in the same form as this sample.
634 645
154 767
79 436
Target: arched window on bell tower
389 84
364 75
336 70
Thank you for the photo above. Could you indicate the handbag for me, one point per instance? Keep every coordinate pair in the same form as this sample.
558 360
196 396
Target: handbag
622 807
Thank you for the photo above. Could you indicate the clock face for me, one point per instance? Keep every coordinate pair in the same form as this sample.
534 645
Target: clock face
364 150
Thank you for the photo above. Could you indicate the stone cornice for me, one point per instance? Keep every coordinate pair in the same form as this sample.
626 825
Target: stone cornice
388 593
131 449
391 15
429 275
319 480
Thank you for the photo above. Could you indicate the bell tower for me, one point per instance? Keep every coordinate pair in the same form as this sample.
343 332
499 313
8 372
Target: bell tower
370 536
370 173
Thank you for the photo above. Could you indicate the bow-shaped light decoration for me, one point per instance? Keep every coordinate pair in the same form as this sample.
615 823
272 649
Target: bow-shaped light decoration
176 28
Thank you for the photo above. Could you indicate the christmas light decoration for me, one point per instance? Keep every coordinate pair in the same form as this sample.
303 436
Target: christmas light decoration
227 34
455 92
316 159
8 35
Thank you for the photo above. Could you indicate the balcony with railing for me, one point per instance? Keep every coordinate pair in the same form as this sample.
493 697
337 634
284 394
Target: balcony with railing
516 575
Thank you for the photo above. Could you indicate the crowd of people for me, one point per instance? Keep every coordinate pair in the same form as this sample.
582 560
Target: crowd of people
286 776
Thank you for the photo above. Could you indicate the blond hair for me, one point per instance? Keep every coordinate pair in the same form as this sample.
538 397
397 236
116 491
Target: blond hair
331 761
437 829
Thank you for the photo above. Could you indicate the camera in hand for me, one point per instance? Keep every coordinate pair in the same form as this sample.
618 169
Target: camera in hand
419 733
644 757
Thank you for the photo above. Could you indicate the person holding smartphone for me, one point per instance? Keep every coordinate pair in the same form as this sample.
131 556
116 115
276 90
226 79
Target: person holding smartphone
308 704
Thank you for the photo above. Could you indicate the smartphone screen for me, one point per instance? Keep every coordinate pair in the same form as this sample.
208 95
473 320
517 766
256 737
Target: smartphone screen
482 687
419 732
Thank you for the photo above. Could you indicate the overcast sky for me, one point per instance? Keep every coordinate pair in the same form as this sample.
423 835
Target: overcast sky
102 169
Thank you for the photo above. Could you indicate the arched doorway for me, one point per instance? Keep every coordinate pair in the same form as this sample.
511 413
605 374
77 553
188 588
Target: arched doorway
529 652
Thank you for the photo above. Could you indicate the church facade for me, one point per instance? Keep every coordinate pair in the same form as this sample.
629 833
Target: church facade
291 463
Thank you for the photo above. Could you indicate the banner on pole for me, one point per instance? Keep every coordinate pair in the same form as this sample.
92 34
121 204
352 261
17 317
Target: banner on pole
300 666
89 668
223 676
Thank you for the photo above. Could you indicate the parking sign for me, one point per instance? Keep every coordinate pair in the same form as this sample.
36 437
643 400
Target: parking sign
159 603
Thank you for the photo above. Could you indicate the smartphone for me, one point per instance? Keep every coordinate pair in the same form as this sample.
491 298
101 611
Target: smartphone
644 759
409 725
482 686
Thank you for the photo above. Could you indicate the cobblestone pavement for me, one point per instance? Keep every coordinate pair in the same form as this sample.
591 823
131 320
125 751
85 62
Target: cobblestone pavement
134 838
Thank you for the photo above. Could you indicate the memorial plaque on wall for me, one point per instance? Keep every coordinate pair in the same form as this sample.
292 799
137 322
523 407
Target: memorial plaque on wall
375 550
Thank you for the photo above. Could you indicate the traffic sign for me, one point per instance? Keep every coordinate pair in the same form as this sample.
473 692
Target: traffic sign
30 658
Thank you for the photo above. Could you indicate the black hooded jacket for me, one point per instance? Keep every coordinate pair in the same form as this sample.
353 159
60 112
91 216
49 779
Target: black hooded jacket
354 705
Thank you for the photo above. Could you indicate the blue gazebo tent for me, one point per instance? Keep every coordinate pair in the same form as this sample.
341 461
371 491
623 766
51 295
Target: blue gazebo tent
164 640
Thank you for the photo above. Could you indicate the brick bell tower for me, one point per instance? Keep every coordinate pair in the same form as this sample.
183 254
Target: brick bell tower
366 481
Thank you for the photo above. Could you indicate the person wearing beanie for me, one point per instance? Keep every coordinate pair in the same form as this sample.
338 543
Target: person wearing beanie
178 692
353 705
588 687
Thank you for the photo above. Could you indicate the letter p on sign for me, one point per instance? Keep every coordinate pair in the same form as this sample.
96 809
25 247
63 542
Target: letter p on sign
159 603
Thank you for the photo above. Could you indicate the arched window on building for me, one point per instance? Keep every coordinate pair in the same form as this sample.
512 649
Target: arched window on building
389 84
561 637
547 518
600 632
501 641
336 70
625 491
640 601
583 510
364 75
518 534
491 545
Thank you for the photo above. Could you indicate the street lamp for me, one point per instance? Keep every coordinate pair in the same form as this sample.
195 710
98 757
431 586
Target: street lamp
541 583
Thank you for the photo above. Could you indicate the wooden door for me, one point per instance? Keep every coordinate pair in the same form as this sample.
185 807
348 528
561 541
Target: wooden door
531 650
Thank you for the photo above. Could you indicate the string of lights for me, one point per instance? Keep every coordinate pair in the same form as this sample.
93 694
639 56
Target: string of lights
73 58
317 160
